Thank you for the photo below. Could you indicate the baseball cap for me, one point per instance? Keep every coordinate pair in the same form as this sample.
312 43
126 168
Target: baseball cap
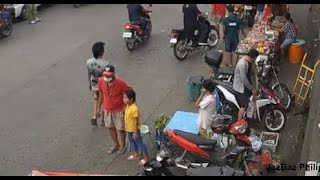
109 70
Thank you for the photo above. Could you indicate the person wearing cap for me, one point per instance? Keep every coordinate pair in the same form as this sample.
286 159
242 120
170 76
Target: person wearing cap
232 24
111 91
96 66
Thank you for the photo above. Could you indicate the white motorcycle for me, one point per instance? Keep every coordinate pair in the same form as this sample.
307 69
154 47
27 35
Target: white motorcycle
267 106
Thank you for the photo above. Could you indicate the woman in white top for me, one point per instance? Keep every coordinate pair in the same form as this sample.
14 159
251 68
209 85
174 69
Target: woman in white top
207 106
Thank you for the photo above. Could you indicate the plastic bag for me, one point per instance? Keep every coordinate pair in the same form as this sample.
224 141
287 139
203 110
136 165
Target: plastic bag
256 143
251 108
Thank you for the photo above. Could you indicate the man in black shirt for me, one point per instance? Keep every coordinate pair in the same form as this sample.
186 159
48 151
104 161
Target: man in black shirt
135 12
191 23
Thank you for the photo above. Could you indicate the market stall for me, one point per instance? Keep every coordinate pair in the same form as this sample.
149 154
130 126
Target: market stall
261 38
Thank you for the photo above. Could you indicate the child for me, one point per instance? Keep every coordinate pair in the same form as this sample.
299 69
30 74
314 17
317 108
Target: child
132 127
207 106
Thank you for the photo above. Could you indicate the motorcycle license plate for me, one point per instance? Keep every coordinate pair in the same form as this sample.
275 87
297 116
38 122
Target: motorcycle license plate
127 35
248 8
173 40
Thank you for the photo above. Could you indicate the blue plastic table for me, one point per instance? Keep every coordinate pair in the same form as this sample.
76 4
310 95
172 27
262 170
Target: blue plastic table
184 121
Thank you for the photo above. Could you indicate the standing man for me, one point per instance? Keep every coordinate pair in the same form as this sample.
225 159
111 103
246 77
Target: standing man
32 14
232 25
96 66
111 91
243 81
260 11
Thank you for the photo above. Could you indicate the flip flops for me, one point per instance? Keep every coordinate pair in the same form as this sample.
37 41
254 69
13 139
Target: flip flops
133 158
122 151
142 162
113 150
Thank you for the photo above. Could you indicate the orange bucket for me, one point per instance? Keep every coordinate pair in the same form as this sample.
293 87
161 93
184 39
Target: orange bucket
296 51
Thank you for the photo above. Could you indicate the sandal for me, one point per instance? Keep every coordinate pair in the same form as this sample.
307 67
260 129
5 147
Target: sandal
142 162
122 151
113 150
94 122
133 158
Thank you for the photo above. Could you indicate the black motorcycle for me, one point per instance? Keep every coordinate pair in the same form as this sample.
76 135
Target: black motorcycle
183 46
5 24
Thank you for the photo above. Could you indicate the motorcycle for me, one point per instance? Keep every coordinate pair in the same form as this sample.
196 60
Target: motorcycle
5 24
268 107
134 34
263 63
183 46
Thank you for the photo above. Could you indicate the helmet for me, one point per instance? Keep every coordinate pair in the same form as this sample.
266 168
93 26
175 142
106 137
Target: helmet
221 123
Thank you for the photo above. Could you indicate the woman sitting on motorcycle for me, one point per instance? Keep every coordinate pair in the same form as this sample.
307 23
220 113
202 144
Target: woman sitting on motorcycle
207 106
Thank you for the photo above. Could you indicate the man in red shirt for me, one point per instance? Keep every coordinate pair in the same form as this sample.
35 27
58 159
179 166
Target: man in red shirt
111 90
218 11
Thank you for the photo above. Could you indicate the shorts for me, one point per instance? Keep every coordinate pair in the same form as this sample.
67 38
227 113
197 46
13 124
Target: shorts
243 98
95 92
114 119
287 42
231 45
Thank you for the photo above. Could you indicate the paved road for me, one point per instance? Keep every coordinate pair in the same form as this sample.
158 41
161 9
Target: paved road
44 100
45 106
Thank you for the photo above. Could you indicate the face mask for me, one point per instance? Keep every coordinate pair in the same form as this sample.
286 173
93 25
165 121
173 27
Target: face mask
108 79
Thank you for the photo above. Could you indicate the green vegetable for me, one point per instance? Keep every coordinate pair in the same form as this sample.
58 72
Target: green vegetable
162 121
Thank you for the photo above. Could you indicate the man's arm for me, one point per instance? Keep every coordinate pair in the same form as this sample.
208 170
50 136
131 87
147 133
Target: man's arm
100 98
243 73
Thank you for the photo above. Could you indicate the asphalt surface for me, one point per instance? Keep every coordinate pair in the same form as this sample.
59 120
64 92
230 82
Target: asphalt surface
45 103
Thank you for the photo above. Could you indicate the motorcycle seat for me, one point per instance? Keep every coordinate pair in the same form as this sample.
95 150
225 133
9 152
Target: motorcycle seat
211 171
196 139
227 86
228 71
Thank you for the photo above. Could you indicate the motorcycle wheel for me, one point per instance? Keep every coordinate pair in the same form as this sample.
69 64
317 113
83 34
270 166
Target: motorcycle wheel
130 44
179 51
7 31
285 96
213 38
76 5
278 118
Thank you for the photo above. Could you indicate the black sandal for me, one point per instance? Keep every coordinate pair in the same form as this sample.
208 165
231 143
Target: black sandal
94 122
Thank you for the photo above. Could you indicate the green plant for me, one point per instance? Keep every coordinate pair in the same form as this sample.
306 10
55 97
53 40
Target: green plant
162 121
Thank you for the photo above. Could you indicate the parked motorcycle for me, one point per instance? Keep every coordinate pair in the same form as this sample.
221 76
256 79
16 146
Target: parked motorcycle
183 46
134 34
5 24
268 106
266 71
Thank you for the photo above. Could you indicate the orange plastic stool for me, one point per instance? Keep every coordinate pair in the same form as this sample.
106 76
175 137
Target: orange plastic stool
296 52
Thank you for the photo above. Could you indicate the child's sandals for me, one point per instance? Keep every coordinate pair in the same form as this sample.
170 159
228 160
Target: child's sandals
142 162
133 158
